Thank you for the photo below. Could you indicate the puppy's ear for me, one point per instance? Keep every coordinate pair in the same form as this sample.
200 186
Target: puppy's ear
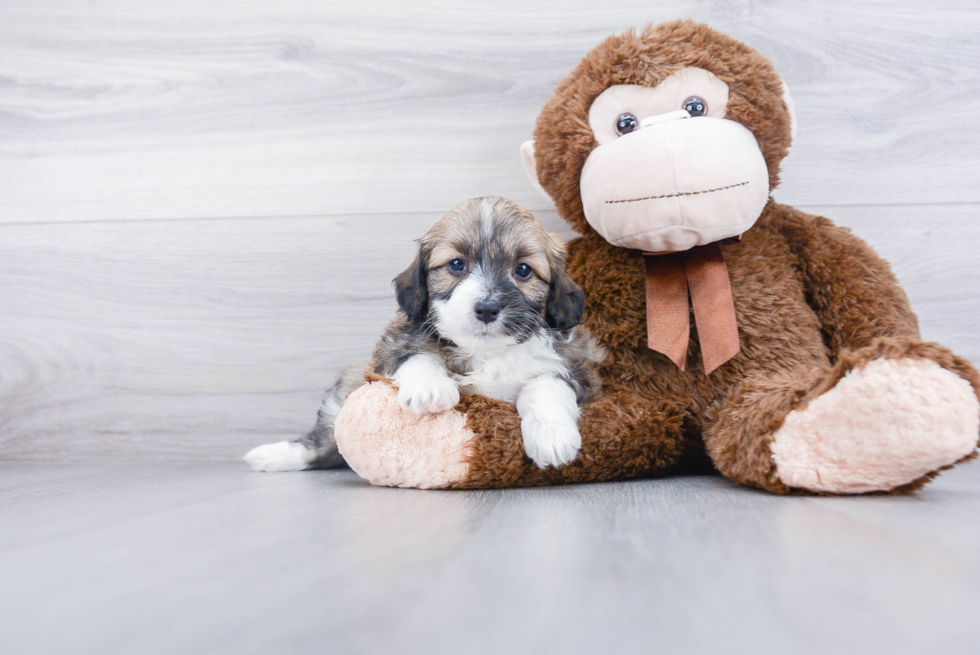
566 302
411 288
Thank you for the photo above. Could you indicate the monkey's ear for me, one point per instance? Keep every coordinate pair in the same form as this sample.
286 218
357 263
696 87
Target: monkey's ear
566 302
412 290
791 108
531 167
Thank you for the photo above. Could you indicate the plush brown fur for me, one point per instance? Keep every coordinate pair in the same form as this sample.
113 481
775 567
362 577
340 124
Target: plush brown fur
813 301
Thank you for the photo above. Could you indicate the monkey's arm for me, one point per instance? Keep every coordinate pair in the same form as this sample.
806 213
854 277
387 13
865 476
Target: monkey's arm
851 288
479 444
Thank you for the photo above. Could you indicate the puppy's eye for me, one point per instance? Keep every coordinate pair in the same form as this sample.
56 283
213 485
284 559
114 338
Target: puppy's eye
626 123
457 265
696 106
523 271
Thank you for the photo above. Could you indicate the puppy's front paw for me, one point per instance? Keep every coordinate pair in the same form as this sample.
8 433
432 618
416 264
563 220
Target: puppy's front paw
428 395
550 442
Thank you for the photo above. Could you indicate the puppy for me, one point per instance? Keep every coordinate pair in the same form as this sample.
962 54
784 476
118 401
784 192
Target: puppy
486 308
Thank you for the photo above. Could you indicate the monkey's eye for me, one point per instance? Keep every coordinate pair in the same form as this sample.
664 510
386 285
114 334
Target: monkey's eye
523 271
457 265
626 123
696 106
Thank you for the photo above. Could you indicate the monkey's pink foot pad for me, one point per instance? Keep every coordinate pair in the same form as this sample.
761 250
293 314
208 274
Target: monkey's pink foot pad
882 426
388 446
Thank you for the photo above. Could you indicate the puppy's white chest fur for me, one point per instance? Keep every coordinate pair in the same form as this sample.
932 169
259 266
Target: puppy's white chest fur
503 372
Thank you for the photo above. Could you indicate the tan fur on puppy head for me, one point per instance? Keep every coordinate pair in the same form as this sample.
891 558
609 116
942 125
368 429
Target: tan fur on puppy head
494 234
563 138
517 238
518 227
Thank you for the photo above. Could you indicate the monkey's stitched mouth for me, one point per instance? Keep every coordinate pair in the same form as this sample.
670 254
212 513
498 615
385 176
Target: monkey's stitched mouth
675 195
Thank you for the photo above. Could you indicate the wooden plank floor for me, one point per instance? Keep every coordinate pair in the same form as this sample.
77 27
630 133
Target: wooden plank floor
211 558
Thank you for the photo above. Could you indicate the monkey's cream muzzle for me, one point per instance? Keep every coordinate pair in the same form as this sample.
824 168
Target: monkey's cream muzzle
675 183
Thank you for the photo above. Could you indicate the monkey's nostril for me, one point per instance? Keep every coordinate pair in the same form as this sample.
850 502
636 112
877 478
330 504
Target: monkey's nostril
487 310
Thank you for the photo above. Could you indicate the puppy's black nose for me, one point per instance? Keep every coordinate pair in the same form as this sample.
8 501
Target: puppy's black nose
487 310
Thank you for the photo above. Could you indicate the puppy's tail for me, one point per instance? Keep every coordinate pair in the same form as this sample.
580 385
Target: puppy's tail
317 450
283 456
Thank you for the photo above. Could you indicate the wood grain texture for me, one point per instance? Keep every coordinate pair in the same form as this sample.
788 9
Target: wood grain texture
203 203
198 339
211 558
195 109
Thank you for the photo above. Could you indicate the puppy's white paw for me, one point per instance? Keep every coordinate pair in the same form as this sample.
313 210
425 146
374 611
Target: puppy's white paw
428 395
424 387
282 456
550 442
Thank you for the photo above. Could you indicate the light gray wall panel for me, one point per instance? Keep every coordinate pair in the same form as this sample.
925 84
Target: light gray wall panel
196 339
196 109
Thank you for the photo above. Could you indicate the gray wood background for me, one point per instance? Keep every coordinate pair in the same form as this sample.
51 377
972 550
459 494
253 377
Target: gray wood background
202 203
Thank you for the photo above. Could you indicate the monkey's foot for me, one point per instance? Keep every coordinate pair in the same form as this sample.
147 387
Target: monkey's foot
882 426
393 448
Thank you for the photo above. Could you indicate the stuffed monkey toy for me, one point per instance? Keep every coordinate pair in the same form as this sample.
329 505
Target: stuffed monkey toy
743 335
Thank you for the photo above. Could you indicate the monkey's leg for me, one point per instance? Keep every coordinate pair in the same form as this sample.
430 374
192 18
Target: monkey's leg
887 417
478 444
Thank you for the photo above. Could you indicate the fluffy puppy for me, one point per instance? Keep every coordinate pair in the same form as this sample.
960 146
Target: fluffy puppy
487 308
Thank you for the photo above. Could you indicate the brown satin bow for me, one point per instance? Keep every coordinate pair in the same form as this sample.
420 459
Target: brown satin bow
669 277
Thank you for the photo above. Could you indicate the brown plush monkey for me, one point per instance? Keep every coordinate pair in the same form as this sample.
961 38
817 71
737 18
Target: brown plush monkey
802 369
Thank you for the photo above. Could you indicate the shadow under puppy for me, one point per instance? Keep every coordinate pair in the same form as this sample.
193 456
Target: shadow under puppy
487 308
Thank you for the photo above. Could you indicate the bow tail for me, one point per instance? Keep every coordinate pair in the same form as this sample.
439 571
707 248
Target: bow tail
714 308
668 316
